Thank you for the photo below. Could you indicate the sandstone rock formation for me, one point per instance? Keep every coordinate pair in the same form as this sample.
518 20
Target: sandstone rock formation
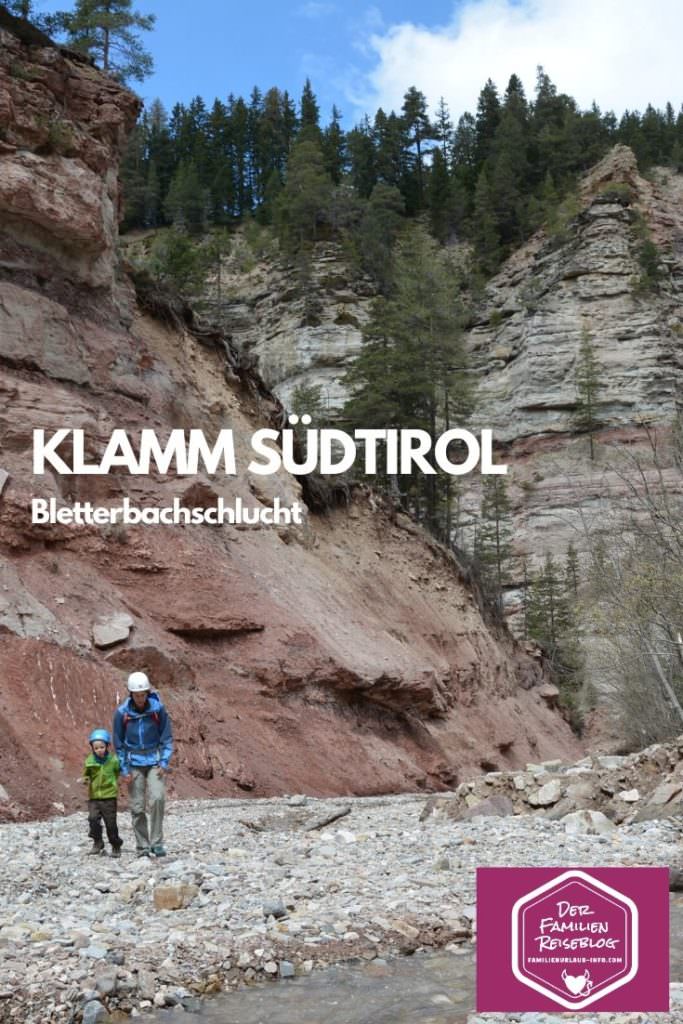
265 308
63 127
345 655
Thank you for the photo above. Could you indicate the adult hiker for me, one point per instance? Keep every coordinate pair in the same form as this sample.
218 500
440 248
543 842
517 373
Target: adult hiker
143 740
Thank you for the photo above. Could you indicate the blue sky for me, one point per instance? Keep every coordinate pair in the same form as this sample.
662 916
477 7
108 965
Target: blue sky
214 47
622 53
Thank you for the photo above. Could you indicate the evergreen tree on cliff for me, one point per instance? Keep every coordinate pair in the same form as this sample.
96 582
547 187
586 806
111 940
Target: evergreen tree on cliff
589 381
107 30
26 9
411 372
493 548
23 9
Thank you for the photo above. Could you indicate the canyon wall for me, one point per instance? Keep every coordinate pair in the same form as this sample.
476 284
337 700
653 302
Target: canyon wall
344 655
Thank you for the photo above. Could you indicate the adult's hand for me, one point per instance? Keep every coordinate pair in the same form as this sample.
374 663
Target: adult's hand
162 770
127 779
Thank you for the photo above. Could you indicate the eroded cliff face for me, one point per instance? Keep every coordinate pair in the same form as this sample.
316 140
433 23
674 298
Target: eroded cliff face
298 333
524 346
62 129
586 279
345 655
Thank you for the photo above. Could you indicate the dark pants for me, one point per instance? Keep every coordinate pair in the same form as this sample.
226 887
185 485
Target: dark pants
104 810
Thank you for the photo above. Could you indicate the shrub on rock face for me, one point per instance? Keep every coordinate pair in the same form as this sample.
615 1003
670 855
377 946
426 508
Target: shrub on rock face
616 192
651 266
177 262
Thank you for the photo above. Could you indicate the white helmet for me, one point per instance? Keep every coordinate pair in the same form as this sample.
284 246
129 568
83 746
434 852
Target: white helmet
137 682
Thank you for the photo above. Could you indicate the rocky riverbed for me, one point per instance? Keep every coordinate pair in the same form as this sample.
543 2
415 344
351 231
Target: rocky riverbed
257 890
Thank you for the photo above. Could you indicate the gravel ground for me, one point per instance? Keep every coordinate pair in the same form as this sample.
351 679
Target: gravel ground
260 889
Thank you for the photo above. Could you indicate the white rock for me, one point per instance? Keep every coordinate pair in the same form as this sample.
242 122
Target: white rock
587 823
629 796
548 794
112 629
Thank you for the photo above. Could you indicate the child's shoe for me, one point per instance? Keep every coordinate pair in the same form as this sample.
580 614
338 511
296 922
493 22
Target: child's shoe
96 849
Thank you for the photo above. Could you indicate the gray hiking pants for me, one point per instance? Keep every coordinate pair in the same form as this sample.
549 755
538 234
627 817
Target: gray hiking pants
147 782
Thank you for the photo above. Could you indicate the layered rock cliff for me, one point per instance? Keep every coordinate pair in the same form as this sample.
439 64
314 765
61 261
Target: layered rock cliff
585 277
345 655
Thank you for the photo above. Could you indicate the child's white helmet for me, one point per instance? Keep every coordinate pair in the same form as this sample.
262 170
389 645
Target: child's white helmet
137 682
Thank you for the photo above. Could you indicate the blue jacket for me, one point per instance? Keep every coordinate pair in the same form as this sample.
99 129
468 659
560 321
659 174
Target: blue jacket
142 738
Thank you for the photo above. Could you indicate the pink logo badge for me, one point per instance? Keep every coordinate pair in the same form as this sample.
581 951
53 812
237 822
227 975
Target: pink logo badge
572 938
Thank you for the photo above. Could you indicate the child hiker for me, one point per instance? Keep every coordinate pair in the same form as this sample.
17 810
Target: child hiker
101 774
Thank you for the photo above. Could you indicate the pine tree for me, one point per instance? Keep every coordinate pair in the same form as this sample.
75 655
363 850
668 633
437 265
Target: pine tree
28 10
133 176
485 231
380 224
588 377
159 147
240 122
310 113
254 117
270 144
219 171
178 263
488 118
391 154
362 158
439 198
508 177
333 148
548 610
552 623
411 372
418 129
152 197
302 204
494 536
213 252
443 130
21 9
571 570
508 165
107 30
187 203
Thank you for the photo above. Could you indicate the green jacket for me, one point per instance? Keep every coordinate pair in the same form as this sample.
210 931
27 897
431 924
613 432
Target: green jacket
103 776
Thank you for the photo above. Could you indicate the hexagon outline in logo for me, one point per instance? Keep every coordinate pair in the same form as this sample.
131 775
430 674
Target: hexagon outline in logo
608 891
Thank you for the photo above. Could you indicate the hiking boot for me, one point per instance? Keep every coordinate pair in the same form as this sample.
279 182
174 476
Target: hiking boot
158 850
116 851
96 849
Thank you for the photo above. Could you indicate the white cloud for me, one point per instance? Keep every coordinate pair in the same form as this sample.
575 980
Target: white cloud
620 53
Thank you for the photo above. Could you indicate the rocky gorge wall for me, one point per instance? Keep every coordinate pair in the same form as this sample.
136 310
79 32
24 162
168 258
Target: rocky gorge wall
345 655
585 279
580 277
63 126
